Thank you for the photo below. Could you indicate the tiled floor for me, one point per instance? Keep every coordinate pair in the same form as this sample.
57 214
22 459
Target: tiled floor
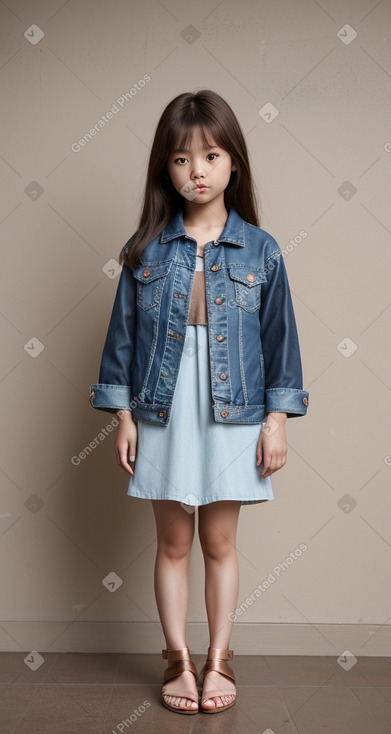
76 693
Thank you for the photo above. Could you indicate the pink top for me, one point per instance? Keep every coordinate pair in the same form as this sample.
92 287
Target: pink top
198 311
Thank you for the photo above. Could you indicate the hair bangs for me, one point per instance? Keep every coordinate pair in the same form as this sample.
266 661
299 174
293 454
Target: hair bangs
182 133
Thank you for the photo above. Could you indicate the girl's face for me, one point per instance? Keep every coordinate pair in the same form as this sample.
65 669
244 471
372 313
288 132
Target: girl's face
200 174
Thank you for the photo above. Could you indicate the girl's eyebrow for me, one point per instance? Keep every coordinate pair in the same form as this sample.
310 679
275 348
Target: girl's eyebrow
185 150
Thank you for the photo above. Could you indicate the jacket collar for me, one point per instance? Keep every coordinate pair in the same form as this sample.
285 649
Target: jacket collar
233 231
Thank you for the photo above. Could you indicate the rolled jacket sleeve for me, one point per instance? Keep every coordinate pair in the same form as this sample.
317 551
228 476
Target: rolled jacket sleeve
280 344
113 391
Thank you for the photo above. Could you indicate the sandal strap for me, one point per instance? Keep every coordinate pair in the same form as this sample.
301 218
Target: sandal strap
179 661
214 653
183 654
178 667
220 666
217 661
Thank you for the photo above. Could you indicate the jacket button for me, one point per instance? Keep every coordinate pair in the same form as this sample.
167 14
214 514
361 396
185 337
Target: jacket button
92 393
161 414
224 413
146 273
250 277
165 374
220 337
305 401
215 243
215 267
219 300
223 376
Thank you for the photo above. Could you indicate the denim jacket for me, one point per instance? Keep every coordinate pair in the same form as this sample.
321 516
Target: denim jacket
254 354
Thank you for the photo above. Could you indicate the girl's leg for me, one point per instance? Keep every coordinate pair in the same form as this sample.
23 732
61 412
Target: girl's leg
217 526
175 532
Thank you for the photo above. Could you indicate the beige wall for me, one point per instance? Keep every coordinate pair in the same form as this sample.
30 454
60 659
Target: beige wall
65 527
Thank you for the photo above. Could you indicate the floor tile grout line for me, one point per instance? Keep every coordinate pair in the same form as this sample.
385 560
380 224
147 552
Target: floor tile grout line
239 685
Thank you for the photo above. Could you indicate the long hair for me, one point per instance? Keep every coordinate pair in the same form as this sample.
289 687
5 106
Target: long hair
212 114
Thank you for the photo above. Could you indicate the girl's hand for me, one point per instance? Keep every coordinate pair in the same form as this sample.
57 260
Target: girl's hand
126 443
272 446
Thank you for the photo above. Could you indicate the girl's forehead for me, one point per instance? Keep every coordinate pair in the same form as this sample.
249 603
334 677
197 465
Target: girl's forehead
194 138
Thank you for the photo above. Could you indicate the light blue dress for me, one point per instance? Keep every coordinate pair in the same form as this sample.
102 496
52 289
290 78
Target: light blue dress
195 460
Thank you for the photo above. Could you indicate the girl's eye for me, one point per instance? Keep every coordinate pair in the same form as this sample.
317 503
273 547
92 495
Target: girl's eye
182 161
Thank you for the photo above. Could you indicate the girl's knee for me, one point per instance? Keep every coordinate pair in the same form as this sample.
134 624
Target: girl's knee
176 540
214 545
175 530
174 548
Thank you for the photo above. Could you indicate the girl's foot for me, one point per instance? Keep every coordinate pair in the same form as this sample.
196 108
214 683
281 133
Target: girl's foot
186 681
213 681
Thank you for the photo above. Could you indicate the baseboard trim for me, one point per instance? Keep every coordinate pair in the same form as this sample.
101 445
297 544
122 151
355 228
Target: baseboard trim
246 639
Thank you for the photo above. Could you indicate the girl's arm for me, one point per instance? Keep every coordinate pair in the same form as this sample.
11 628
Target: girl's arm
113 391
284 394
280 344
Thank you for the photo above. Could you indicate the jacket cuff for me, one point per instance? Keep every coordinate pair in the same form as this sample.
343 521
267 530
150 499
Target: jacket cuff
110 397
286 400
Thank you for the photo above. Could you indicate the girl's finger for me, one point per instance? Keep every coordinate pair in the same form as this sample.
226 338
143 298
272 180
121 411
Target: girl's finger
124 462
267 461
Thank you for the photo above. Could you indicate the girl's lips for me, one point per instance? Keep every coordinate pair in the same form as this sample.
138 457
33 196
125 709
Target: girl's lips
201 188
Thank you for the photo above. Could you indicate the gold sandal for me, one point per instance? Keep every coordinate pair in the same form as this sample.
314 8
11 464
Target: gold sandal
217 661
179 661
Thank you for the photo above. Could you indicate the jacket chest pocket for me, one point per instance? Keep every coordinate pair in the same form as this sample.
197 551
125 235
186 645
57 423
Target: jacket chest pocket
247 282
150 283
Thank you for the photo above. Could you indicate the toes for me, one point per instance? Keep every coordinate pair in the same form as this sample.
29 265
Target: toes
213 702
209 703
188 703
218 701
179 702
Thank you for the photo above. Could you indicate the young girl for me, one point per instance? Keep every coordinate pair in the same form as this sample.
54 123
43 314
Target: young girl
202 365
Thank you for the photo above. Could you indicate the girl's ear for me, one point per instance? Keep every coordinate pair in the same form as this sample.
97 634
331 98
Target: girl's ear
233 168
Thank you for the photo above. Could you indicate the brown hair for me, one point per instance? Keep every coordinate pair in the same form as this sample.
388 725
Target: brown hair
208 111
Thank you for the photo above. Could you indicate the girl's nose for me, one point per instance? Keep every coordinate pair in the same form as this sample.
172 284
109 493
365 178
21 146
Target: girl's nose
198 171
